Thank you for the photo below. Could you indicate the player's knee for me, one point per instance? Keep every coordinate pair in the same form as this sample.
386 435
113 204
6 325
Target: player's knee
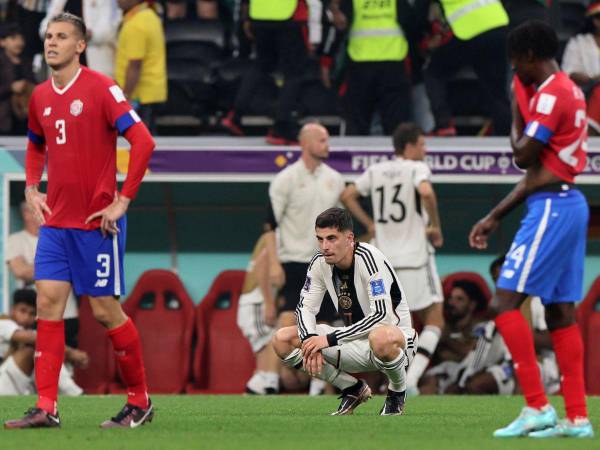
386 342
283 340
46 307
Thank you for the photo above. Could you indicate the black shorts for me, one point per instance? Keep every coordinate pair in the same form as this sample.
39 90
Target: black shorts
295 275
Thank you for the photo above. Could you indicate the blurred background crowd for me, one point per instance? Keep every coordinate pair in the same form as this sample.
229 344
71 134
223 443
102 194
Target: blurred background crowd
242 68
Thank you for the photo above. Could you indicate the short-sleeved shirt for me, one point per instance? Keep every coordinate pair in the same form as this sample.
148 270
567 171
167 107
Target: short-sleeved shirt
142 38
78 125
558 119
298 196
400 222
7 329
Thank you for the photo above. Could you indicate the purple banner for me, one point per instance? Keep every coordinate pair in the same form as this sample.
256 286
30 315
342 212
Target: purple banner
442 162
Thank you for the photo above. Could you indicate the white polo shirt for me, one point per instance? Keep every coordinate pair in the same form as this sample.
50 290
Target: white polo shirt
298 196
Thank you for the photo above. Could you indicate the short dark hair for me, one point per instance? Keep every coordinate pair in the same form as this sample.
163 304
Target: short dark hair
24 296
10 29
405 133
74 20
335 218
535 38
474 293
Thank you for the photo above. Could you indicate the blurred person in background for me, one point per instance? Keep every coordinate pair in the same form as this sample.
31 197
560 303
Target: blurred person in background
17 345
458 338
279 30
298 194
16 80
141 68
30 14
19 255
102 19
376 77
582 63
406 225
256 317
479 30
204 9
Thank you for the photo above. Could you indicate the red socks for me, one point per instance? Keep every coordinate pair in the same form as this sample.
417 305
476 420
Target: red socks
128 351
49 356
519 340
568 347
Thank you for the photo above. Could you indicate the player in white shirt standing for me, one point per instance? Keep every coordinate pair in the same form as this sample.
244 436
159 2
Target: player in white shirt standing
406 226
378 333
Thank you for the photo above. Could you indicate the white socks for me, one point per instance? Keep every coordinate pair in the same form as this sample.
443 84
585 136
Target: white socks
261 381
428 341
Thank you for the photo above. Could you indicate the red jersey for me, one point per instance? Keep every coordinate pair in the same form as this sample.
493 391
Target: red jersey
78 126
557 117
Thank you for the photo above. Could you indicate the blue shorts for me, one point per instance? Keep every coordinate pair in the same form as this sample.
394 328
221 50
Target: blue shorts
546 258
93 264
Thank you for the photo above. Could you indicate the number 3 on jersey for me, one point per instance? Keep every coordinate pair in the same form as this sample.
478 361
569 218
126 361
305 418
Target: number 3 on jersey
62 131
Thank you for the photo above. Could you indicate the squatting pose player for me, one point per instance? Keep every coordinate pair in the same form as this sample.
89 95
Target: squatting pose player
74 119
546 259
378 334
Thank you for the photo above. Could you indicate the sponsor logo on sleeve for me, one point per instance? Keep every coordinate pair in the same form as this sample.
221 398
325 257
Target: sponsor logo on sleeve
307 284
377 287
545 104
117 93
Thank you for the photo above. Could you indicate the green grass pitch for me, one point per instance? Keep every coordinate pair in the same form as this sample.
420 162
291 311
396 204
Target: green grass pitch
285 422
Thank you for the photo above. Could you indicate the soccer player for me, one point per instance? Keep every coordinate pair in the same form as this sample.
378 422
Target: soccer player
378 334
256 317
74 120
549 139
405 225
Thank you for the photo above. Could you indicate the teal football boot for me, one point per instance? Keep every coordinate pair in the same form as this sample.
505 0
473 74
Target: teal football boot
529 420
565 428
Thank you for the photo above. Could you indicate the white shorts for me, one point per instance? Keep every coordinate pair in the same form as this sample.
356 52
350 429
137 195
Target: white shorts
503 374
422 286
355 356
250 319
13 381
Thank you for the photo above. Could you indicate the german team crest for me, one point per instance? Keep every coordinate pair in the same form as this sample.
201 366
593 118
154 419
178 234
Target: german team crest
76 107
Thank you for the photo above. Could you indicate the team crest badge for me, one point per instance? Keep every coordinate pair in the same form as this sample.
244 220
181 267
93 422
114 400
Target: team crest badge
76 107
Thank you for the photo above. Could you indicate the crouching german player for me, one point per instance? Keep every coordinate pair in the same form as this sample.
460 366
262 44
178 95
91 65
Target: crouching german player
378 333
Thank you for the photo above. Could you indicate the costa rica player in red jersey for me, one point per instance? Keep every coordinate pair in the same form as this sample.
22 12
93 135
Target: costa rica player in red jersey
74 120
546 259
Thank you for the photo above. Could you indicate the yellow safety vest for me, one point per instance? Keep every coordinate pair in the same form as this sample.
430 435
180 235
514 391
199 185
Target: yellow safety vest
375 34
272 9
470 18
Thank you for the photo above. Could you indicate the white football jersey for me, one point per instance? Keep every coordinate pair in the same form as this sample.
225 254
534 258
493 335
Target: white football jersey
400 220
375 292
7 329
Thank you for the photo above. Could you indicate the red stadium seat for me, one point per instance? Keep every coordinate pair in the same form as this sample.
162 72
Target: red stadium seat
588 318
93 339
163 313
223 360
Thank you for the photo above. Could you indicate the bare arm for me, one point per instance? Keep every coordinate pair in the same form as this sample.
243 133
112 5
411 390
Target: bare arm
132 76
275 272
349 198
26 337
21 269
434 230
261 271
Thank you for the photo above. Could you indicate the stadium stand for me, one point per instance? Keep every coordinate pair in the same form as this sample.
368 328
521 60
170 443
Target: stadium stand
92 339
223 360
163 312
